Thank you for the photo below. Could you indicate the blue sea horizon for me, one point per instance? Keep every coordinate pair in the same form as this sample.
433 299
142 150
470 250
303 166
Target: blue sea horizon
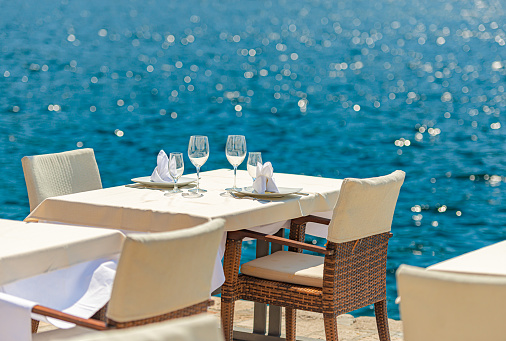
323 88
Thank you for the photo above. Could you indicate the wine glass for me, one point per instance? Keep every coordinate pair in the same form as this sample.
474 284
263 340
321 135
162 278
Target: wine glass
253 159
176 169
198 152
236 152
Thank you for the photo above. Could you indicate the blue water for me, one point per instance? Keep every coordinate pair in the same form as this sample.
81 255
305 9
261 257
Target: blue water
331 88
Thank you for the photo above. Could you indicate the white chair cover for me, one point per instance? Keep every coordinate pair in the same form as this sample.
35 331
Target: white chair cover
163 272
442 306
56 174
365 207
202 327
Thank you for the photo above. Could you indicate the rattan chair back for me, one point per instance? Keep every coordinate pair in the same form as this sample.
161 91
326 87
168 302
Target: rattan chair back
441 306
56 174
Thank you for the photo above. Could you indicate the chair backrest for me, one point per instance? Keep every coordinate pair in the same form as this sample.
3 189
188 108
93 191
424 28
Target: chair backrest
56 174
365 207
203 327
163 272
442 306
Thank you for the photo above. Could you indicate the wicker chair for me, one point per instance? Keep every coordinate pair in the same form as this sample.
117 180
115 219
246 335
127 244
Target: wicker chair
352 274
160 276
442 306
195 328
56 174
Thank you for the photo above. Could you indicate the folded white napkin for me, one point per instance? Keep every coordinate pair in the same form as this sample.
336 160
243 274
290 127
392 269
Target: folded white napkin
15 318
161 172
264 180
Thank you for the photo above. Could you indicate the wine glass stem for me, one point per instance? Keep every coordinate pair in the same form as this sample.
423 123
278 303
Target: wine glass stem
175 186
235 176
198 179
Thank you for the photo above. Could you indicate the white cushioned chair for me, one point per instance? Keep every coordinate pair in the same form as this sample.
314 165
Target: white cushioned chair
160 276
350 276
56 174
203 327
442 306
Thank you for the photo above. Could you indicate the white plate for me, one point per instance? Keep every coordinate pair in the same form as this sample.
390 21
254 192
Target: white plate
283 191
146 180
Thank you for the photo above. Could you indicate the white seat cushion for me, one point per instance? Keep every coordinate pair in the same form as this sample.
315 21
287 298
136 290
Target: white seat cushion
63 334
289 267
202 327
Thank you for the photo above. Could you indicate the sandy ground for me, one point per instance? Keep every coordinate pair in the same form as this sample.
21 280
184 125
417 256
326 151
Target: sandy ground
310 325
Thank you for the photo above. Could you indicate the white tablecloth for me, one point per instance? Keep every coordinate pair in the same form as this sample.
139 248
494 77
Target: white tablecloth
142 209
67 268
29 249
138 208
489 260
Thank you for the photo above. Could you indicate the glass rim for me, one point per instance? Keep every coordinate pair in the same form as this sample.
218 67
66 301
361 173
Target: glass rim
255 153
175 153
198 136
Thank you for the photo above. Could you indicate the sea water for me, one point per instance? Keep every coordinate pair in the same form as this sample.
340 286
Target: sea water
326 88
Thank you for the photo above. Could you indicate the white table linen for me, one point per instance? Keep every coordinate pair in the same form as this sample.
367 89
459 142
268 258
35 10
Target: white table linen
161 173
28 249
489 260
264 180
15 318
139 208
64 267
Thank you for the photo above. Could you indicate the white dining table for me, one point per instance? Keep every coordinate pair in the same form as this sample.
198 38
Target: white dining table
489 260
28 249
53 265
142 208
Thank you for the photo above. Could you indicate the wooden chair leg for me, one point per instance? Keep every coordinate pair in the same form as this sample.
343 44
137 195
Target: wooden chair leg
227 319
380 310
290 323
35 326
330 321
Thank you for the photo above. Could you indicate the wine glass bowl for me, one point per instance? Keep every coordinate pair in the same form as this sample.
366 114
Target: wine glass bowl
176 169
235 151
198 152
253 159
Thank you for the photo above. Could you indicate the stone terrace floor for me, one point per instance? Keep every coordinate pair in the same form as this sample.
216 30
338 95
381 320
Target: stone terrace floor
309 325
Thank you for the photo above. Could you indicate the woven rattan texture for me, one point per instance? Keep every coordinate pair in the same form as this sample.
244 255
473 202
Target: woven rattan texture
35 326
229 292
100 315
281 294
298 233
188 311
354 276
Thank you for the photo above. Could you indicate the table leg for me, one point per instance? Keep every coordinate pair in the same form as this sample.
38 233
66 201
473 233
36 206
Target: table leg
275 311
260 309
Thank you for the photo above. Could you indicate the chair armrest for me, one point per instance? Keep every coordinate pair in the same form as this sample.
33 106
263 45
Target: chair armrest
88 323
311 219
241 234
